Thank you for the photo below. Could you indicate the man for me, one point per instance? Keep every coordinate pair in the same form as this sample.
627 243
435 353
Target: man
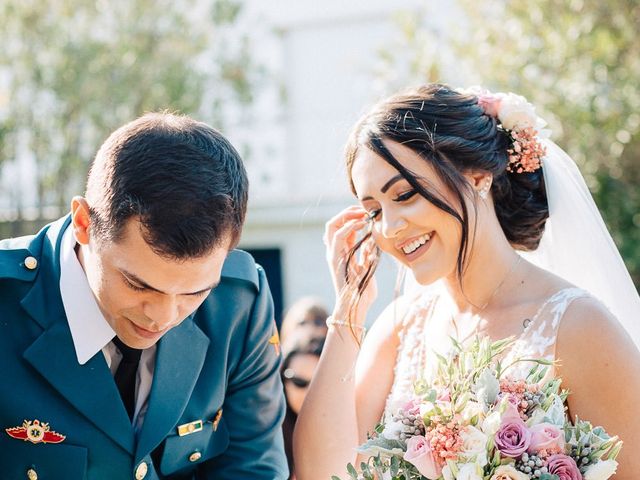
134 341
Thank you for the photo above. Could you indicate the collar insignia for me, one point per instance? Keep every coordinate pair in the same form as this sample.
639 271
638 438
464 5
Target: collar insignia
275 341
35 431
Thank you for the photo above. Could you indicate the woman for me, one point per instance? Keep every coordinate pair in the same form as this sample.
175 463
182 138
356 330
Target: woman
450 184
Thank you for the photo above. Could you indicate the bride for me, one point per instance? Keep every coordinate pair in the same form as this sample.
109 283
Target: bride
455 186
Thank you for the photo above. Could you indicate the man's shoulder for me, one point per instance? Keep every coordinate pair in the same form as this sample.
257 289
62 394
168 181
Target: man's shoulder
240 266
17 261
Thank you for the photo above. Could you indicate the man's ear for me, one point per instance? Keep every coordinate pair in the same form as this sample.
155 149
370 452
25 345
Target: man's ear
80 219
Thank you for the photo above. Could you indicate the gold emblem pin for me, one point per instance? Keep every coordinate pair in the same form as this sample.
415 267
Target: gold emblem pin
188 428
35 431
275 341
216 420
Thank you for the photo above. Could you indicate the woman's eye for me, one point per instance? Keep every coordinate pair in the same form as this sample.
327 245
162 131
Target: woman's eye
403 197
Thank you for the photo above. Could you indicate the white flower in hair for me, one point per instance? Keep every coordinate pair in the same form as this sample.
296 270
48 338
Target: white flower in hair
516 112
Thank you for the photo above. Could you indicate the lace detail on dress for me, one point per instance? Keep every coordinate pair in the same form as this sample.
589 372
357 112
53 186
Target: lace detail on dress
422 332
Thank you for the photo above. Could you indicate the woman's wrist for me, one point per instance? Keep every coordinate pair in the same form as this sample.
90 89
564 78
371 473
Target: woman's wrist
352 330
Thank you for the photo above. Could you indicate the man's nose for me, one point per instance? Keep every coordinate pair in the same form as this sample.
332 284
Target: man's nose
163 311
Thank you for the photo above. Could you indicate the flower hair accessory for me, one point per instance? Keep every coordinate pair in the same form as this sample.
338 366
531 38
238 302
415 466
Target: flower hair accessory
518 118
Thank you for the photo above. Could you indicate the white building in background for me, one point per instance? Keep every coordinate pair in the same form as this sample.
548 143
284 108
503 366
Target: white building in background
324 56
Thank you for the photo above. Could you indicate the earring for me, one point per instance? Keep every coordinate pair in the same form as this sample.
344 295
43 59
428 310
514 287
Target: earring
484 191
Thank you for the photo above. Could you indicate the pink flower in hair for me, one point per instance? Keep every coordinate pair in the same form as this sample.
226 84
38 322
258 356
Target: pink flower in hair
490 103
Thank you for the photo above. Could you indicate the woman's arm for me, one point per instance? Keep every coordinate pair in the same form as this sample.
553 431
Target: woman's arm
344 401
600 366
341 407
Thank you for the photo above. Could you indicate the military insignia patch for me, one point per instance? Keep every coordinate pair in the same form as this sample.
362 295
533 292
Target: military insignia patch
275 341
35 431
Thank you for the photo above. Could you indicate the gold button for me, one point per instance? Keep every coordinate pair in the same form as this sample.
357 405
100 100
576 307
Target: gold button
31 263
195 456
141 471
31 473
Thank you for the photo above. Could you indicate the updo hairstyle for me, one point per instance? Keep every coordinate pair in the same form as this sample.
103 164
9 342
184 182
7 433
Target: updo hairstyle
450 131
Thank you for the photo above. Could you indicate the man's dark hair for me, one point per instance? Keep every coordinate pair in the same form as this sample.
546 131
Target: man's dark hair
182 179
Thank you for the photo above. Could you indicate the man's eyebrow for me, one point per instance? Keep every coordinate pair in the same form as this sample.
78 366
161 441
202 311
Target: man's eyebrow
386 186
132 277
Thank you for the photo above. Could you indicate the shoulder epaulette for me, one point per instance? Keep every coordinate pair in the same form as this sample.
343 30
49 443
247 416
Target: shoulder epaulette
240 265
17 263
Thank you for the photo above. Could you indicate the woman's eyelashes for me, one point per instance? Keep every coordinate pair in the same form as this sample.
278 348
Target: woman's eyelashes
372 215
403 197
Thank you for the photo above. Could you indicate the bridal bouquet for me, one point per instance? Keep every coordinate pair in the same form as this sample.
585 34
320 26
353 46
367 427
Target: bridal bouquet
473 422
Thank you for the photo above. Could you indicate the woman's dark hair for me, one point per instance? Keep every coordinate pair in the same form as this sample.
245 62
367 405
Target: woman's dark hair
450 131
182 178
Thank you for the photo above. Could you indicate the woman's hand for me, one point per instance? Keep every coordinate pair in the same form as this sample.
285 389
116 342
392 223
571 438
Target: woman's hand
342 233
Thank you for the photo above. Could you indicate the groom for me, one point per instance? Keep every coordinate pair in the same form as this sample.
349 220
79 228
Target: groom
135 342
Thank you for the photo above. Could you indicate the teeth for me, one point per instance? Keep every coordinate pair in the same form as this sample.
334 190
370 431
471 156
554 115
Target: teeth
413 246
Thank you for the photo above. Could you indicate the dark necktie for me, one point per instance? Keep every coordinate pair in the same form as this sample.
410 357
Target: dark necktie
125 376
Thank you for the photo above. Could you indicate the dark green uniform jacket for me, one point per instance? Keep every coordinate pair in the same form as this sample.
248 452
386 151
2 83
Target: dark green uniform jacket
222 362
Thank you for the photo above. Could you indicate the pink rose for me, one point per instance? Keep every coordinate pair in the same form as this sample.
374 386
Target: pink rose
564 467
490 103
513 437
419 454
548 437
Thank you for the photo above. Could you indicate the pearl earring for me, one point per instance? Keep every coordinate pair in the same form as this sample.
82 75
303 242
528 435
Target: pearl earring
484 192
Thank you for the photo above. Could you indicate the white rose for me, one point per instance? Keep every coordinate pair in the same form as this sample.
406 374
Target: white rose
516 111
491 424
507 471
447 474
474 445
601 470
469 471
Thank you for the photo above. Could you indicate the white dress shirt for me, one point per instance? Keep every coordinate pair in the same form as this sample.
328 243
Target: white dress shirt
90 331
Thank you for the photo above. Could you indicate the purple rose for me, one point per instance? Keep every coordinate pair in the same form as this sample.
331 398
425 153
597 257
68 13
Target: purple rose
564 467
513 438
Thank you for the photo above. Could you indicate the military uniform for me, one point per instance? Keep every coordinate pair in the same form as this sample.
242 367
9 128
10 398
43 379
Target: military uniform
215 405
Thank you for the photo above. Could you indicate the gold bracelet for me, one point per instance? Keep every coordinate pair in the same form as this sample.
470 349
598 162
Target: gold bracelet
341 323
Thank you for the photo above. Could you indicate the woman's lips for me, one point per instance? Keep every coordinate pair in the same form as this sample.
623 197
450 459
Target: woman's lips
421 250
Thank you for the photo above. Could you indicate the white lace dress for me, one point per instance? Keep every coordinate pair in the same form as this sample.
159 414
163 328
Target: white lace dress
422 332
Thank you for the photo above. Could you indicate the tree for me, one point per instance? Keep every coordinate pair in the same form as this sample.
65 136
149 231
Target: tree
577 61
74 70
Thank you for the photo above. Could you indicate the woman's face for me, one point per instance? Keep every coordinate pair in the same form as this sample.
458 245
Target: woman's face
297 377
405 224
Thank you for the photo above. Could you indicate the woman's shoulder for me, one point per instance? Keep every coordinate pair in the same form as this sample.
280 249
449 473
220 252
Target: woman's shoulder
404 311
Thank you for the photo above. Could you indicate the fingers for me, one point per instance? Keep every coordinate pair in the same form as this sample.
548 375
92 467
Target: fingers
354 212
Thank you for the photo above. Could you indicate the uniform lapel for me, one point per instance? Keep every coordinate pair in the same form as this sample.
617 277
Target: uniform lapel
90 387
179 359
